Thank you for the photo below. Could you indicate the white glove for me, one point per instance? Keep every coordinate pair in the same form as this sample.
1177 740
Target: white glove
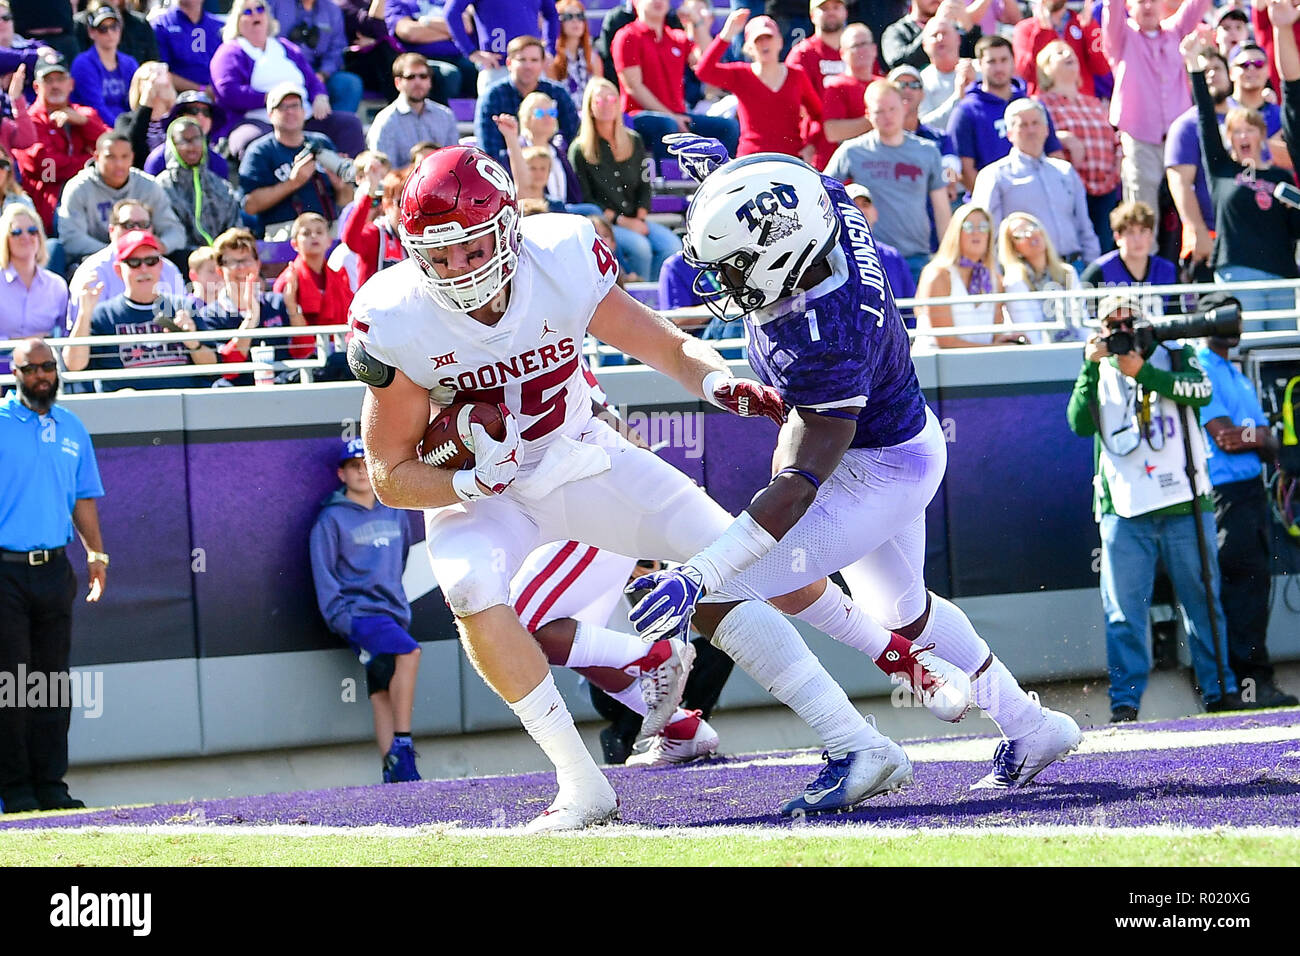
495 462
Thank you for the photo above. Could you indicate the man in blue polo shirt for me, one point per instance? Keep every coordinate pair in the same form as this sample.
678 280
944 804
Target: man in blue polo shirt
1240 441
50 485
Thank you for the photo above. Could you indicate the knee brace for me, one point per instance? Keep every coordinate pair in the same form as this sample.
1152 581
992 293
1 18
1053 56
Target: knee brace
379 673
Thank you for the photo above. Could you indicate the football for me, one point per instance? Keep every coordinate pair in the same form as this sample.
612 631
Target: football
448 443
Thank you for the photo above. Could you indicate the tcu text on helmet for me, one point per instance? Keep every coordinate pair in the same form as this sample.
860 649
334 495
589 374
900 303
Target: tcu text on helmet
766 203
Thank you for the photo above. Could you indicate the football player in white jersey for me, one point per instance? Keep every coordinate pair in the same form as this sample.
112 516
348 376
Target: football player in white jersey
486 309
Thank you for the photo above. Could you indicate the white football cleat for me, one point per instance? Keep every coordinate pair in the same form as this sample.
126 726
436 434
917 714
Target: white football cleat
577 810
1017 762
663 684
944 688
845 782
681 742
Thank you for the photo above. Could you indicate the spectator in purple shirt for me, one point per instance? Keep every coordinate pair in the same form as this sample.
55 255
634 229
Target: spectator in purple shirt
370 50
187 38
36 299
138 41
199 105
499 22
252 61
420 26
16 51
317 27
977 128
103 73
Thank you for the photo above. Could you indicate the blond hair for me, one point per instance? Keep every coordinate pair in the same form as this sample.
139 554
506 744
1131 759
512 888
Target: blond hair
535 100
233 240
1046 81
1014 266
949 251
230 31
7 219
588 140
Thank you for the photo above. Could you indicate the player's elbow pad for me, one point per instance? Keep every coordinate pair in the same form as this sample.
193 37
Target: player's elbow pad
367 369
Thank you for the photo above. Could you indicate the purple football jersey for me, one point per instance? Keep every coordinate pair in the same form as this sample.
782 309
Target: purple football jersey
843 344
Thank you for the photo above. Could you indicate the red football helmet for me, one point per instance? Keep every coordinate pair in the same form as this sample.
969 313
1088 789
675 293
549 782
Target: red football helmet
459 194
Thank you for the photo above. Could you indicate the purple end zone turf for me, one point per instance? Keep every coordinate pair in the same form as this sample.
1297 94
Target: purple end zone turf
1255 784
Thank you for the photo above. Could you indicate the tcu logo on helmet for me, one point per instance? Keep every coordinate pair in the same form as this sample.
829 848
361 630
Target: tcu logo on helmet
766 203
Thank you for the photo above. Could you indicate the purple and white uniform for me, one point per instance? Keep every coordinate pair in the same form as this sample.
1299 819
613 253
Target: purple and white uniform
843 345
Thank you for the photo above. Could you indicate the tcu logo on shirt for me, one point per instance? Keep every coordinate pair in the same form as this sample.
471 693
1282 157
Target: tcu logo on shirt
766 203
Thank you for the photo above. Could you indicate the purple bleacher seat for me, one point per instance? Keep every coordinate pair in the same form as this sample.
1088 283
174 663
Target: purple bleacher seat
646 293
668 203
462 109
270 252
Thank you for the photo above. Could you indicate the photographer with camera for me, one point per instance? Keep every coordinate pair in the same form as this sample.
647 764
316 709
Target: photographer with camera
1133 395
289 172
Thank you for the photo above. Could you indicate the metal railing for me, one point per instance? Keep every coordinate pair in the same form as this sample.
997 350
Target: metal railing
685 318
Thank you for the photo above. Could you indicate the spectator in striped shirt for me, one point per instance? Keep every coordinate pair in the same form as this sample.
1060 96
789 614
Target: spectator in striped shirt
1083 128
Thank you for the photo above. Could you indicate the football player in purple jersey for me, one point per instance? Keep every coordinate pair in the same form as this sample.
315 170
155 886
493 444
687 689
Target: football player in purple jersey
858 460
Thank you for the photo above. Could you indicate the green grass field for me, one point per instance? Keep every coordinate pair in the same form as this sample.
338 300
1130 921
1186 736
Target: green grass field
1213 848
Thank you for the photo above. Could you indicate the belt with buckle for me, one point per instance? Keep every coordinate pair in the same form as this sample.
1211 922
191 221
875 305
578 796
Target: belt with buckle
32 559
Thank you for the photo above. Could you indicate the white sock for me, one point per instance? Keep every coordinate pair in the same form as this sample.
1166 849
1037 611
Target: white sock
630 697
1001 697
549 722
601 647
953 637
837 616
770 650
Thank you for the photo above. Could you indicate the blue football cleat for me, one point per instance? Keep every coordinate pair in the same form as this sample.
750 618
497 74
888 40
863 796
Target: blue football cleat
851 779
399 764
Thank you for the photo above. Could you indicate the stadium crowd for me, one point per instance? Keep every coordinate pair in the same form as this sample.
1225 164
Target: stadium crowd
1000 146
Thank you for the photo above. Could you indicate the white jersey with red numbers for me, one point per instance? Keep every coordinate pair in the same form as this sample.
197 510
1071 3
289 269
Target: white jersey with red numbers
530 360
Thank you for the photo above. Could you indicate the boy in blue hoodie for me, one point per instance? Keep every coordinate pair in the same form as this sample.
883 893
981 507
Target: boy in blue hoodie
358 553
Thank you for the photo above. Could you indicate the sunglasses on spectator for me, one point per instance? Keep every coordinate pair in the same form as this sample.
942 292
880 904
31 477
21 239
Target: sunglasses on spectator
17 231
254 11
1024 231
5 165
135 262
135 224
415 76
541 111
33 367
908 84
566 17
1251 64
196 109
108 27
6 18
968 227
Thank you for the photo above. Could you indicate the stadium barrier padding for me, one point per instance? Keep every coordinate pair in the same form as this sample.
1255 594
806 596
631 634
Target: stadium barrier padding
209 638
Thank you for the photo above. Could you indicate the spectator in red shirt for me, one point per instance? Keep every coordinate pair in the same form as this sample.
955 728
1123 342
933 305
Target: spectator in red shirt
1082 126
844 108
769 92
371 227
650 58
65 137
1052 20
819 58
322 294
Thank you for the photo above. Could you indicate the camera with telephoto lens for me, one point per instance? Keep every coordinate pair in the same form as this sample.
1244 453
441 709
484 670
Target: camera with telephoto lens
305 35
1223 322
332 162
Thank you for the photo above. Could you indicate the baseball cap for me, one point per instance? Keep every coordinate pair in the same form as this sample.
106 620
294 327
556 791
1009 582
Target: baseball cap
859 191
278 92
133 242
189 97
814 4
50 62
904 69
1246 49
1231 13
761 26
1113 303
351 449
105 12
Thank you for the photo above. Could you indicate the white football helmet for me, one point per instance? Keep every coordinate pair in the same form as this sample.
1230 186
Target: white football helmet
755 226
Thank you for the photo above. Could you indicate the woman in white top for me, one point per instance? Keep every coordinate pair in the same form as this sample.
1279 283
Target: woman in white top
1030 264
963 265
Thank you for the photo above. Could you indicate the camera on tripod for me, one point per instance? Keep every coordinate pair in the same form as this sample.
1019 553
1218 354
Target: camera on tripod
1223 322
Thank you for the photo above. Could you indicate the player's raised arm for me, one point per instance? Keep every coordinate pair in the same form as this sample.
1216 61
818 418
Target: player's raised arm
626 324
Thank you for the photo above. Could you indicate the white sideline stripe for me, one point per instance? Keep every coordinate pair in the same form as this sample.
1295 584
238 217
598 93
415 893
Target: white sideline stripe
861 831
1111 740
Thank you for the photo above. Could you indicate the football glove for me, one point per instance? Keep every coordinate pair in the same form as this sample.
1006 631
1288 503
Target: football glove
697 155
496 463
666 611
749 399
